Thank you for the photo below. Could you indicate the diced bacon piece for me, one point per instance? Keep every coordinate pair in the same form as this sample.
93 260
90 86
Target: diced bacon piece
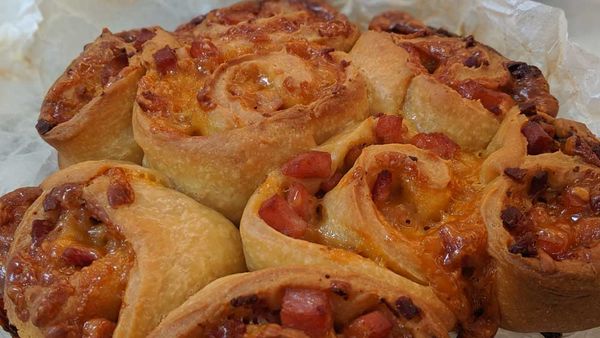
308 311
78 256
389 129
279 215
145 35
40 228
372 325
491 100
438 143
301 201
516 174
511 217
119 191
538 141
406 308
382 188
312 164
166 60
423 55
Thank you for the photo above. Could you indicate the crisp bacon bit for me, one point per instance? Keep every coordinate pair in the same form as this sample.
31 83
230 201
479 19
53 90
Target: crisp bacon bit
308 311
397 22
518 70
595 203
66 196
203 49
312 164
406 308
198 19
491 100
516 174
40 228
438 143
382 188
119 190
539 182
511 218
341 288
575 145
128 36
538 140
389 129
112 68
79 257
43 126
372 325
548 127
525 246
330 183
473 61
145 35
243 301
301 201
53 199
166 60
98 328
469 41
527 108
279 215
529 86
425 58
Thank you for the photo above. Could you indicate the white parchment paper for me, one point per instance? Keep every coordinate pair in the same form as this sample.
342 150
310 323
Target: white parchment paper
38 38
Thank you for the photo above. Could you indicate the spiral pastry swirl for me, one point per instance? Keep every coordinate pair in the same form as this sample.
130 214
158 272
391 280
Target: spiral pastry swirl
102 245
385 199
264 24
224 123
86 114
302 302
444 83
542 219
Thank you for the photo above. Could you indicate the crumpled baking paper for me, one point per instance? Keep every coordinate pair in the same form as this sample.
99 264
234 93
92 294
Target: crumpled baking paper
38 38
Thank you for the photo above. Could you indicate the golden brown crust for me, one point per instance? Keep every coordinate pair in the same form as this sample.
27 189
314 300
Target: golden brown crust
264 24
521 136
445 83
86 114
135 271
418 230
359 293
541 290
454 59
12 208
225 128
